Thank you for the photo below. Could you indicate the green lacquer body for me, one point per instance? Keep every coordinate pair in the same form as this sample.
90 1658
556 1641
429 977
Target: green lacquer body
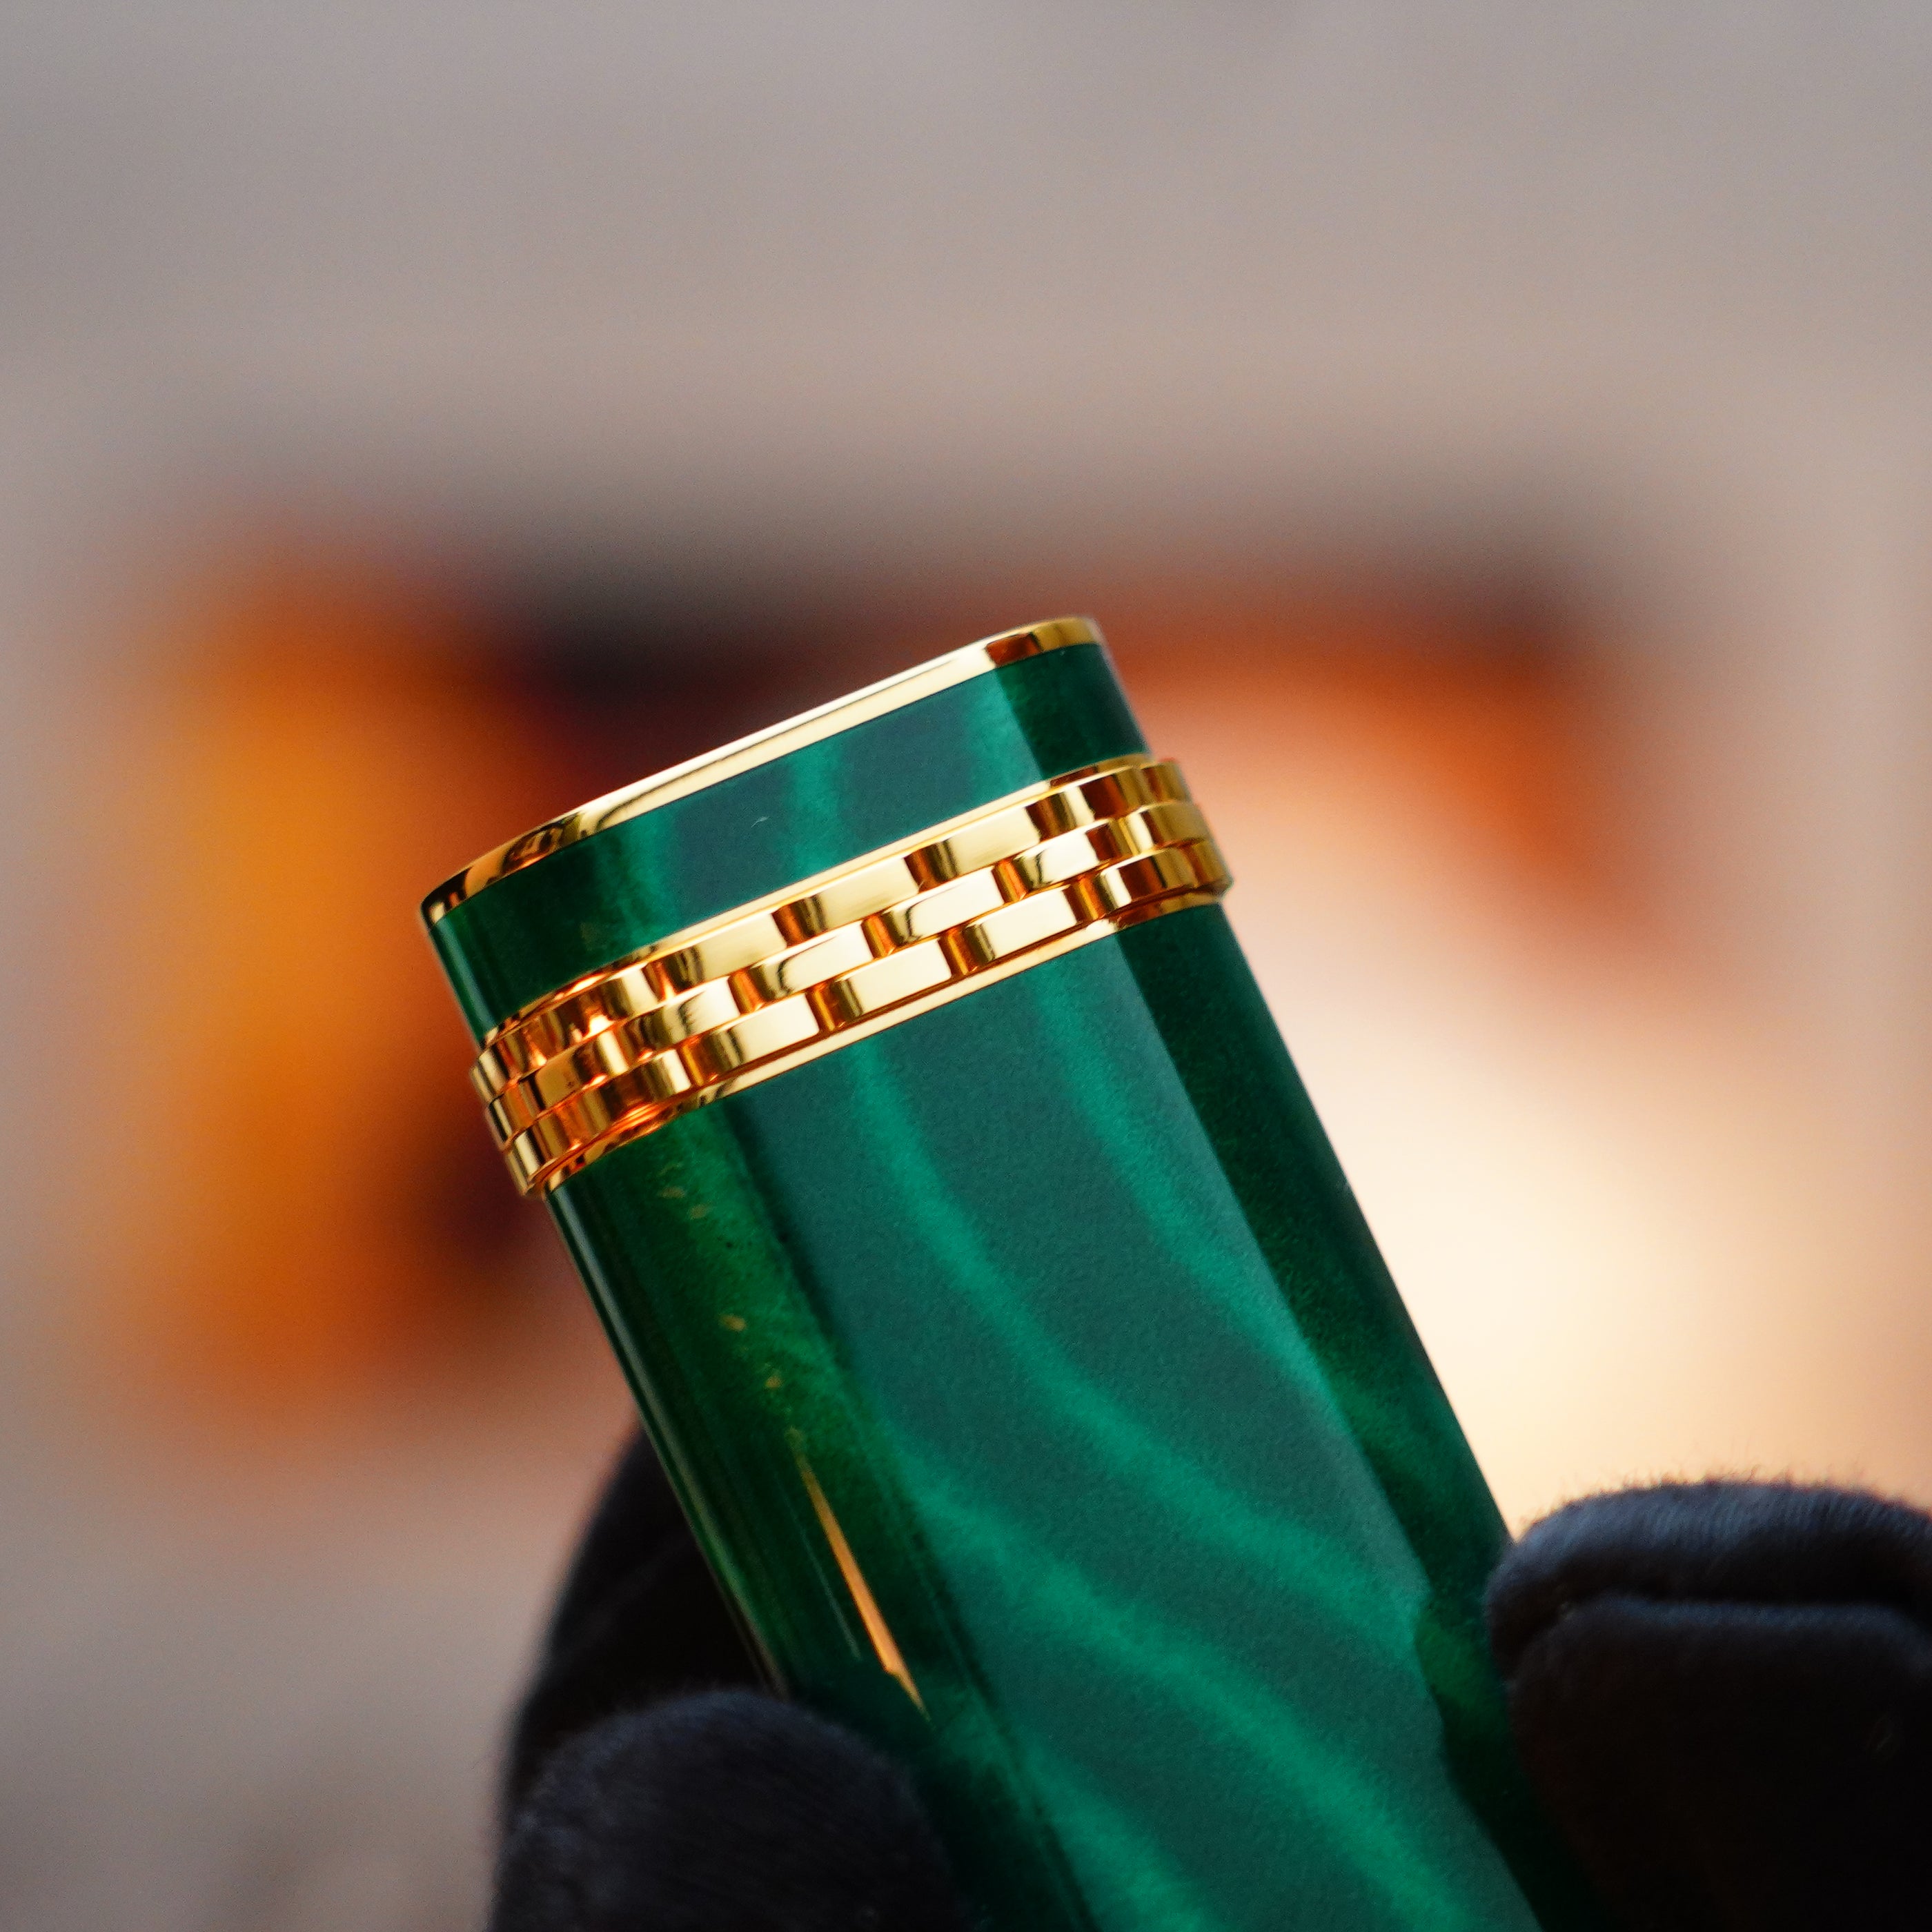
1034 1385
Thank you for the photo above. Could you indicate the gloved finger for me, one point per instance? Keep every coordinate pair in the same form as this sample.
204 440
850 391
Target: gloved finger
730 1812
1723 1693
639 1619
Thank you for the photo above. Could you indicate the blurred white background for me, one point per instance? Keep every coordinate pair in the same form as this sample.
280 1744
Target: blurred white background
1496 439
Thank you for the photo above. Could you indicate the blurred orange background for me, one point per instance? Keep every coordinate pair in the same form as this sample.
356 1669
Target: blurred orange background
1496 449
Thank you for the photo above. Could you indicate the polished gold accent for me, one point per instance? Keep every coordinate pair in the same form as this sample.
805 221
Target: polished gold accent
768 986
743 754
885 1648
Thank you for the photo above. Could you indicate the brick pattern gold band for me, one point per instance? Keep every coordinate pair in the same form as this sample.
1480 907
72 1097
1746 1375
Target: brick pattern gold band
767 986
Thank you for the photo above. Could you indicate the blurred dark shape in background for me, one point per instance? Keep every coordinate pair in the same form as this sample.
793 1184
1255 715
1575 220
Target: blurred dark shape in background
1496 447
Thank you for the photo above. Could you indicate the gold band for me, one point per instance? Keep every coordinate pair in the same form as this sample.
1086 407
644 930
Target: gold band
776 741
766 987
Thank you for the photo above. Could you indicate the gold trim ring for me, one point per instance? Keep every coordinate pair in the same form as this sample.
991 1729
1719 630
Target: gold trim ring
744 754
768 986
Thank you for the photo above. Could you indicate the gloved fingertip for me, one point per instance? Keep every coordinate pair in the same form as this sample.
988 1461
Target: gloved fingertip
728 1812
1722 1693
1715 1541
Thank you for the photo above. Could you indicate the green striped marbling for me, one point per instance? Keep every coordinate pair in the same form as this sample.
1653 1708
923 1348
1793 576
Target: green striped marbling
1057 1295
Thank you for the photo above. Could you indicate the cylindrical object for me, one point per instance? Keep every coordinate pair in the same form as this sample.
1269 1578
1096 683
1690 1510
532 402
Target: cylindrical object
997 1306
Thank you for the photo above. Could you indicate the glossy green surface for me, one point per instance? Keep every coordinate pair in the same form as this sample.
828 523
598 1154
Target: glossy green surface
1051 1307
1061 1297
879 782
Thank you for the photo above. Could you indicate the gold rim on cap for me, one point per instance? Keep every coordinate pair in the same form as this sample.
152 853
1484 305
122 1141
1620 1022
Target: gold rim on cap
768 986
743 754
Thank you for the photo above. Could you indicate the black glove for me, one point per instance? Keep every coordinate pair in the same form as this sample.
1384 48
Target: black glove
1722 1690
652 1788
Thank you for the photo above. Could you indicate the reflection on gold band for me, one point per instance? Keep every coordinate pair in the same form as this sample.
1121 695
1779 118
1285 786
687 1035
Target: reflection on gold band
907 687
768 986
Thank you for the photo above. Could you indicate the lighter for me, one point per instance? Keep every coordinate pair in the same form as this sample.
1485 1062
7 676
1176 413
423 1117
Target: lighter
1000 1313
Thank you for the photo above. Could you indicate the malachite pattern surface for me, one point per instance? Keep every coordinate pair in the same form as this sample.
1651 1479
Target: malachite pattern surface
1050 1313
